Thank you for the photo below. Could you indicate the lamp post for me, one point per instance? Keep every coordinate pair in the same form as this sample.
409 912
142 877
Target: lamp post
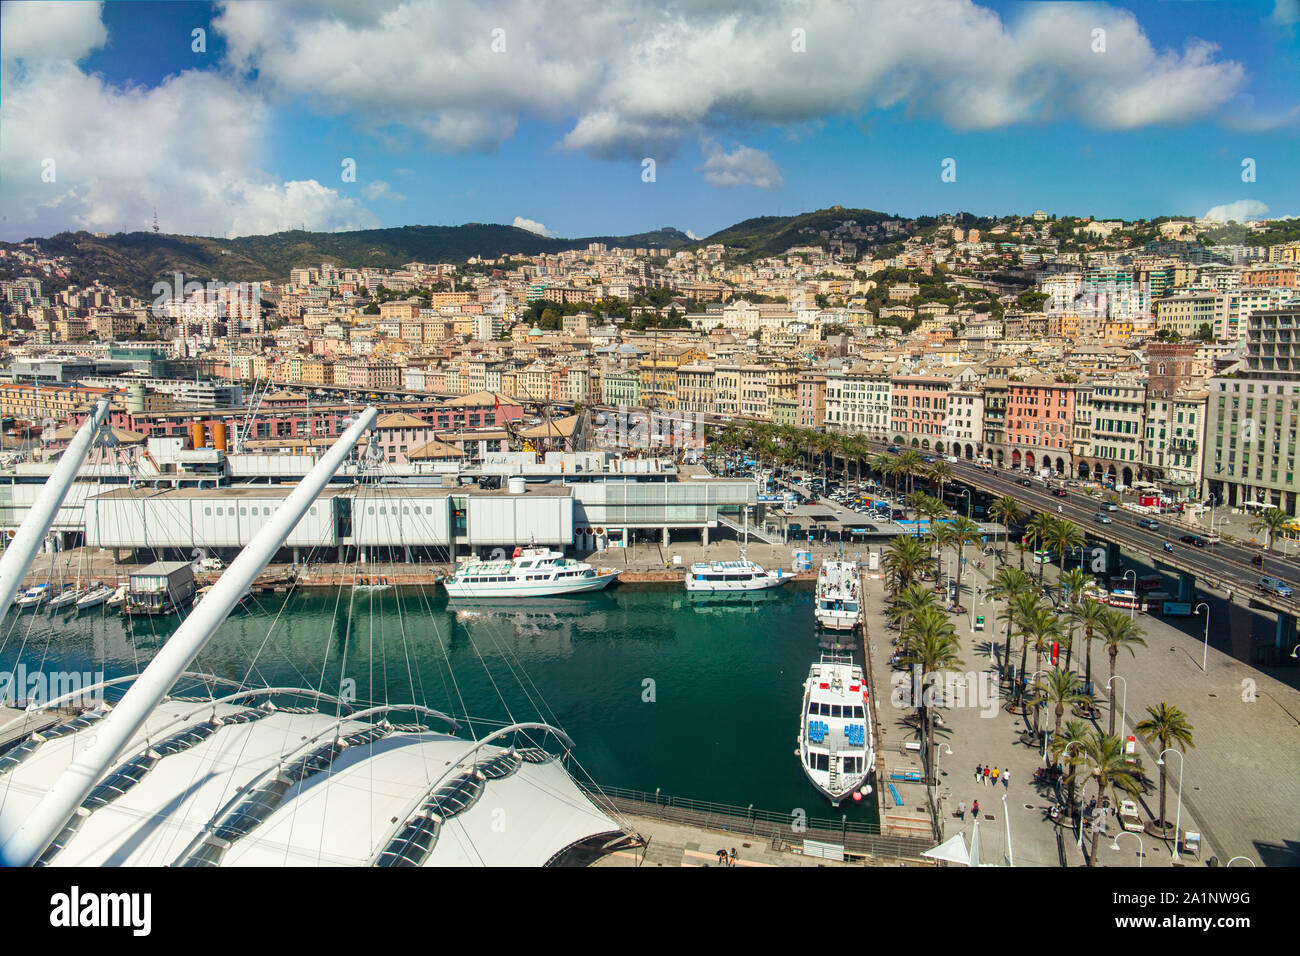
1246 858
1295 651
1205 654
1123 711
1033 677
1133 610
1065 750
1178 822
1114 844
1006 817
937 753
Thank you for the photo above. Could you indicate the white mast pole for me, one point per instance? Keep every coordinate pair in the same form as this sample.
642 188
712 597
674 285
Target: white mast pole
36 833
22 549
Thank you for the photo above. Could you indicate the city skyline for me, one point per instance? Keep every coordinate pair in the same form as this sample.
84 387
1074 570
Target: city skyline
514 121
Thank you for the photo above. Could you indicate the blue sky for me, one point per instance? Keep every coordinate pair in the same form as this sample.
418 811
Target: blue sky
249 135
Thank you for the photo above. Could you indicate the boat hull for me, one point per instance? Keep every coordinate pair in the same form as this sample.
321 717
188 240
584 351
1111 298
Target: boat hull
735 587
511 590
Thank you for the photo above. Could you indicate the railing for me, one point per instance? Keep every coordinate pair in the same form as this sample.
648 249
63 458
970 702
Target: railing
863 839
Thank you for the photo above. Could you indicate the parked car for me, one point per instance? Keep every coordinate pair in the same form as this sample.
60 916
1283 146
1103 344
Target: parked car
1274 586
1151 524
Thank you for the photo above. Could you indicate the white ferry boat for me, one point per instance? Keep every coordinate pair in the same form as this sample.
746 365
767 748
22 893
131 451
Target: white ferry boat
835 731
839 597
742 575
530 572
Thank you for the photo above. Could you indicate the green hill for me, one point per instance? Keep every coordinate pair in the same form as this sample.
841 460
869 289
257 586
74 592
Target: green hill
773 235
135 261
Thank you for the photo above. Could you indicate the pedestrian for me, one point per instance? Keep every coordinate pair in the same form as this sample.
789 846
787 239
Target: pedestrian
722 858
994 776
961 810
975 810
986 776
1006 779
979 772
733 856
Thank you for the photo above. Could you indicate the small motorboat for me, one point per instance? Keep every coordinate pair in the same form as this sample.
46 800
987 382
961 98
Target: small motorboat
33 597
117 598
94 597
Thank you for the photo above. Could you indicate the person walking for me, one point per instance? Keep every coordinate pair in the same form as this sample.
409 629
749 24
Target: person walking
986 776
1006 779
979 772
961 810
975 810
993 777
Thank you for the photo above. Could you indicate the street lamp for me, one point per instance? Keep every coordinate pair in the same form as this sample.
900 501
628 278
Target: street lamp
1114 844
1178 822
1246 858
1006 817
1295 651
1133 610
1205 654
1123 711
937 753
1033 677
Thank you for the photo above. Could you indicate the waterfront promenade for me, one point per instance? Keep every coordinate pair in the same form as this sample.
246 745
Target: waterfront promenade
1240 785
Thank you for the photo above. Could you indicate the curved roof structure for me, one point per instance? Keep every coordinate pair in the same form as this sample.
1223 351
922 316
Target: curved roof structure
236 783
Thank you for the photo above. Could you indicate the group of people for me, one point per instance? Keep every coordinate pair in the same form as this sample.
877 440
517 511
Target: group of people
991 774
725 859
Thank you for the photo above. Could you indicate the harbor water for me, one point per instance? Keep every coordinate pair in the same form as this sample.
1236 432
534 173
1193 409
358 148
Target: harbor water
696 696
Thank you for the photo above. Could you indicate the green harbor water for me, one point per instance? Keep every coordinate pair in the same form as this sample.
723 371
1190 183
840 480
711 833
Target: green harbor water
698 697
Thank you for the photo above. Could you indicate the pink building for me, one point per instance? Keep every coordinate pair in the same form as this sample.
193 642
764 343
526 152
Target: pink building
919 409
1040 423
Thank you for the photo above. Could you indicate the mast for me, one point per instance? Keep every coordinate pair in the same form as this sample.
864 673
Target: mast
31 839
18 556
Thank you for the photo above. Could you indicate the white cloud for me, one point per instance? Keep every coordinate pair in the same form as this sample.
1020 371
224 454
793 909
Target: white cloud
742 166
1243 210
189 147
636 79
378 189
531 225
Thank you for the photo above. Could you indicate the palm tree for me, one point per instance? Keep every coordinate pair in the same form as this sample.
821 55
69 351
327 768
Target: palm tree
1005 586
1066 536
904 559
931 645
1061 688
910 464
962 532
1041 626
1166 725
1088 614
1072 583
1039 532
1006 511
1067 747
1105 762
1118 630
1271 522
940 472
1022 608
907 602
883 465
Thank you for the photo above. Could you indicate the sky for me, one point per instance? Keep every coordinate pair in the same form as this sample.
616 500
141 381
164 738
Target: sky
615 117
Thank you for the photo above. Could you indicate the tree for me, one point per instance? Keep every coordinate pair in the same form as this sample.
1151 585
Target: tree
1061 688
940 472
904 560
1039 532
1006 511
1065 535
1106 763
1119 631
1166 725
1089 615
932 646
1271 522
1040 625
1067 747
907 602
1008 584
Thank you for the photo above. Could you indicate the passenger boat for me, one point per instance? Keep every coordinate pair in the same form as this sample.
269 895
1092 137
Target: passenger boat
33 597
835 745
530 572
839 598
708 577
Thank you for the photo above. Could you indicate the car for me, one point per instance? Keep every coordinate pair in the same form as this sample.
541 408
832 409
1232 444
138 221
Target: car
1274 586
1026 482
1151 524
1111 506
1193 539
1061 493
1101 518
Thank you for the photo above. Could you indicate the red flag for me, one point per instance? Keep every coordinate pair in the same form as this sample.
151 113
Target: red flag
496 401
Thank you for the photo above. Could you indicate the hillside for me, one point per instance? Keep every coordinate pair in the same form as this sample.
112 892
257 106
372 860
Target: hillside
134 261
772 235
